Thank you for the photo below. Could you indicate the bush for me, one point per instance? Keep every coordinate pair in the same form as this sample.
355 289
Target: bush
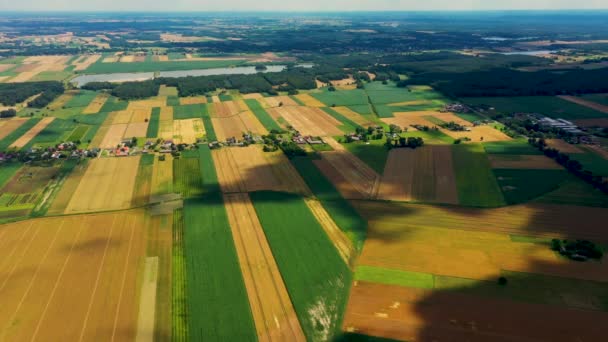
502 281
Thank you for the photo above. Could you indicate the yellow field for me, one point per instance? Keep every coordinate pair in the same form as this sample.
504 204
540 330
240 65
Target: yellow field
96 104
7 126
71 278
62 100
106 185
309 101
427 239
187 131
85 62
29 135
192 100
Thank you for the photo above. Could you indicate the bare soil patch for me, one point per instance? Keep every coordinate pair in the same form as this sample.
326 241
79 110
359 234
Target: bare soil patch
539 162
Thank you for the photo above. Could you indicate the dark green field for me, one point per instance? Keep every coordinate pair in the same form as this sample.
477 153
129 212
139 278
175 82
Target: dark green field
150 66
546 105
188 111
265 118
338 208
316 278
519 147
475 181
519 186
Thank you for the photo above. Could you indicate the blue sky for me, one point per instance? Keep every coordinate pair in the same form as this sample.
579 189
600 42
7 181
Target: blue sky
299 5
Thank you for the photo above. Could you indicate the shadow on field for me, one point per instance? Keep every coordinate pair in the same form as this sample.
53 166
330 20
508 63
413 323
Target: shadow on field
547 302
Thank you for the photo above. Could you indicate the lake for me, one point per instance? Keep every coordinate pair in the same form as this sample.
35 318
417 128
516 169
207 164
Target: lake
143 76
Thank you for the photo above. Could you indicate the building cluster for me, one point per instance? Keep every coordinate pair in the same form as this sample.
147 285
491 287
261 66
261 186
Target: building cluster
561 124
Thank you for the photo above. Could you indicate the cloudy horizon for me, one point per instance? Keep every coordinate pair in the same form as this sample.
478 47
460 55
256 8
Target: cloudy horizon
300 6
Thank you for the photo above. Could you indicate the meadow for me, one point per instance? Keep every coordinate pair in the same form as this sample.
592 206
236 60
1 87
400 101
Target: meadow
152 66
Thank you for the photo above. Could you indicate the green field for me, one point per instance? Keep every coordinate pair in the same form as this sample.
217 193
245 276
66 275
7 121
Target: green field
14 135
519 186
546 105
388 276
218 307
519 147
574 191
82 99
373 154
151 66
592 161
363 109
265 118
389 93
7 171
52 134
209 130
210 182
597 98
225 97
316 277
340 210
475 181
78 133
187 177
347 126
154 123
179 297
342 97
188 111
114 104
172 101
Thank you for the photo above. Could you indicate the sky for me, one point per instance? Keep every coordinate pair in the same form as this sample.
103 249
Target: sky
299 5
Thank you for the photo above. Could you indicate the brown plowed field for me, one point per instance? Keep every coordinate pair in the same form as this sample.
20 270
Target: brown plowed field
541 162
72 278
563 146
309 101
252 96
192 100
276 101
363 178
227 109
310 121
424 174
29 135
354 116
7 126
592 122
246 169
410 314
426 239
346 189
589 104
406 119
274 316
107 185
96 104
236 125
335 234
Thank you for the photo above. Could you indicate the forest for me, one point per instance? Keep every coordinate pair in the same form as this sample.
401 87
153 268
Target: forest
13 93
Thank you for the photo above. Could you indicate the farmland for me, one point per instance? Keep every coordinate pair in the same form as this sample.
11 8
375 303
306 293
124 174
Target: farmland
381 177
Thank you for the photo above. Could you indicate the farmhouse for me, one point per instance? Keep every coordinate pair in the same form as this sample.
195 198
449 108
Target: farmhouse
565 125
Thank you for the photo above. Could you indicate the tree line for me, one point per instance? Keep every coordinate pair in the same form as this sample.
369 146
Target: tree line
13 93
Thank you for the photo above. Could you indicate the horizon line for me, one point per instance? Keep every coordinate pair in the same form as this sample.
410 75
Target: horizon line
305 11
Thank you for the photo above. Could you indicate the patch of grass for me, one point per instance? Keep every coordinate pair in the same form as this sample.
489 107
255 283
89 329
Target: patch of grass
477 186
519 186
340 210
262 115
154 123
151 66
225 97
519 147
114 104
373 153
218 307
316 277
173 101
321 147
342 97
52 134
7 171
591 161
575 191
394 277
82 99
16 134
470 117
209 130
187 111
348 126
187 177
167 91
430 137
547 105
51 76
364 109
78 133
179 297
389 93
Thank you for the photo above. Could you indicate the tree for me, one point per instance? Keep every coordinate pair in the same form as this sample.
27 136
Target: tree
502 281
